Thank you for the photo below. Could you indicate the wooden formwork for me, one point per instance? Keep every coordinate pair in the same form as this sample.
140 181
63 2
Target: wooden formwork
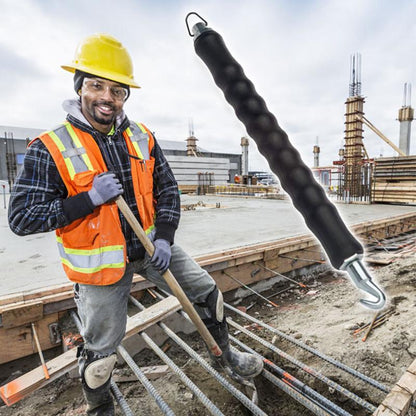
292 253
43 307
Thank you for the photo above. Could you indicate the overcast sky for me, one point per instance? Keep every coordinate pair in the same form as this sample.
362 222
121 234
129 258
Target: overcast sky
296 52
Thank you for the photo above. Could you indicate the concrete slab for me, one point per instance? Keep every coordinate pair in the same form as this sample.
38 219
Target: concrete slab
28 263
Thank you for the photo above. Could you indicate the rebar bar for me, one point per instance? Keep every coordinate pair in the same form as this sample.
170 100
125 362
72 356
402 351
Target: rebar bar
139 373
185 379
289 379
300 344
163 406
309 370
305 367
120 399
279 385
279 274
295 394
234 391
250 289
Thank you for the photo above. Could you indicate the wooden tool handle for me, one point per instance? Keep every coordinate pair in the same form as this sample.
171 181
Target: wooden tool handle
35 337
170 279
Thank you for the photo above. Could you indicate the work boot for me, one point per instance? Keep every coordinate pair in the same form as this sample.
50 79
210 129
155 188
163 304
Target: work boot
242 364
99 401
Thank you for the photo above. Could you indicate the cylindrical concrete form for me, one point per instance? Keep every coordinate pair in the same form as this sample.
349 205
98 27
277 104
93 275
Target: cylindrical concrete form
316 151
406 115
191 148
244 160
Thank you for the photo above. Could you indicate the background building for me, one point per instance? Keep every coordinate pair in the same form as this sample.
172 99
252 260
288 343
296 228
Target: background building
191 164
13 143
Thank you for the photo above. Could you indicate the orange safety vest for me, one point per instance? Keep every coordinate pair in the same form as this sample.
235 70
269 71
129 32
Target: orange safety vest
93 248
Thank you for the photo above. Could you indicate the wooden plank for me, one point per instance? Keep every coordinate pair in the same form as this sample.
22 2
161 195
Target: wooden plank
59 294
398 401
17 316
247 273
151 315
46 295
27 383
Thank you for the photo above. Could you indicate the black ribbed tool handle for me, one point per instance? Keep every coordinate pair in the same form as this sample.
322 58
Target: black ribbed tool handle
284 160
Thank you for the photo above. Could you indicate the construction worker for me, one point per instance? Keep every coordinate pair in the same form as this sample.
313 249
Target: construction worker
69 180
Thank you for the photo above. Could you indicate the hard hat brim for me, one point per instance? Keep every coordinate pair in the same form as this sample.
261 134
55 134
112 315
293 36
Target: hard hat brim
102 74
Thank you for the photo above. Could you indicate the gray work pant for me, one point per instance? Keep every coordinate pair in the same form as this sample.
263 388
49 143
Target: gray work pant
103 309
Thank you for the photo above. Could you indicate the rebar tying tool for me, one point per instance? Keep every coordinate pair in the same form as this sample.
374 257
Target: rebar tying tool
321 216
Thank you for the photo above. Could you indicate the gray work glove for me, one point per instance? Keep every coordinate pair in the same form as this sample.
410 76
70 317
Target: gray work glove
162 254
105 187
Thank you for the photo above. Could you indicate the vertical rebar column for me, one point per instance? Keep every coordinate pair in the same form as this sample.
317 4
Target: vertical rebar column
354 149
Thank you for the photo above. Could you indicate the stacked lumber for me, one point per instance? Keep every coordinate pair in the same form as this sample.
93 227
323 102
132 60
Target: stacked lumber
394 180
187 189
237 189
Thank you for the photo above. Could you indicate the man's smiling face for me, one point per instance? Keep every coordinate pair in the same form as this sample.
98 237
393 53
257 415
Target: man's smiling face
101 102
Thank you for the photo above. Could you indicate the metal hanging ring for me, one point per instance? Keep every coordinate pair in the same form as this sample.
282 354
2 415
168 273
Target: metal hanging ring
187 24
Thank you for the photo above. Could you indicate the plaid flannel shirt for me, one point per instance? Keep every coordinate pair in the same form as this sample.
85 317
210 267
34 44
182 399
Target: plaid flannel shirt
39 201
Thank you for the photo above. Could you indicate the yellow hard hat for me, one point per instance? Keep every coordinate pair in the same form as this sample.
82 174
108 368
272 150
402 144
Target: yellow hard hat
104 56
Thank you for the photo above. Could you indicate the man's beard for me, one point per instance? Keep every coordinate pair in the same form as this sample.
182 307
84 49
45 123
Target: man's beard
102 119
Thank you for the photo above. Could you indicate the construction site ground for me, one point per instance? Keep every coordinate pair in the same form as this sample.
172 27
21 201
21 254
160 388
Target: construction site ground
322 315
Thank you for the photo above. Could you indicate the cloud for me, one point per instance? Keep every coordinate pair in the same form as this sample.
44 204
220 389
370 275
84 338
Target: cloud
295 52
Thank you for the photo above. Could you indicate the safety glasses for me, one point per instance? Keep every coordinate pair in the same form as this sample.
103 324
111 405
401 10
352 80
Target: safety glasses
99 86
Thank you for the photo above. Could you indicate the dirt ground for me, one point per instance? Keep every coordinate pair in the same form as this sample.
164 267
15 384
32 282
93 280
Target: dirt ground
323 316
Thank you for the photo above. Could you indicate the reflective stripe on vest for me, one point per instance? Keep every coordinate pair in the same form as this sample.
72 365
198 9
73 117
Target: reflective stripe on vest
74 154
90 261
140 140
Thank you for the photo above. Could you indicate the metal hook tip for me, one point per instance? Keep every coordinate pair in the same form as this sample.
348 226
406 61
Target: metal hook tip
378 294
377 305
